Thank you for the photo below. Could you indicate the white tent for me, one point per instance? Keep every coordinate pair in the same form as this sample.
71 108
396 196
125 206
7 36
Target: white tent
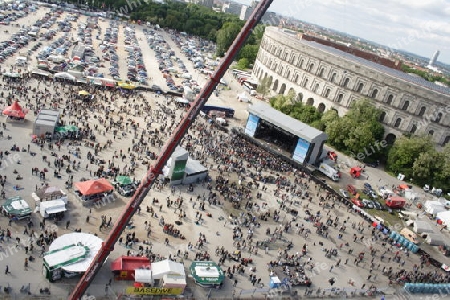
444 216
436 240
143 276
64 75
78 238
46 208
166 267
434 207
422 226
243 97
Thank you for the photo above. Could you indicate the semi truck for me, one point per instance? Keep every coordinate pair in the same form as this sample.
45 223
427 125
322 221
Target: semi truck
329 171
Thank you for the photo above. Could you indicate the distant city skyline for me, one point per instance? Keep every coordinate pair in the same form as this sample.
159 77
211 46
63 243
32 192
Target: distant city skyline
416 26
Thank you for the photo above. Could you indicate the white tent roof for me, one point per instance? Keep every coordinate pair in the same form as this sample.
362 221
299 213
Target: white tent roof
422 226
143 276
94 243
444 216
436 240
164 267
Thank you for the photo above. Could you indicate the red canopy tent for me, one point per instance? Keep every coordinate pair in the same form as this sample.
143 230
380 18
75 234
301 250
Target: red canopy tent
15 110
92 187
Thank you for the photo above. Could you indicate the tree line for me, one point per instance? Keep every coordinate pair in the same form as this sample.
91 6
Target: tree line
359 134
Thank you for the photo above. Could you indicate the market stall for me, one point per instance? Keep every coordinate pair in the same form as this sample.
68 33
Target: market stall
70 255
124 267
52 209
15 112
16 208
207 273
92 191
49 193
168 267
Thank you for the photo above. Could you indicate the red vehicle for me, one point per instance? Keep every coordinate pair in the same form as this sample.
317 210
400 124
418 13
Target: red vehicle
355 200
395 202
351 189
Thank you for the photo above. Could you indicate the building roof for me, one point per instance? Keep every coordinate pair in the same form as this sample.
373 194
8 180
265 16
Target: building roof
194 167
285 122
374 66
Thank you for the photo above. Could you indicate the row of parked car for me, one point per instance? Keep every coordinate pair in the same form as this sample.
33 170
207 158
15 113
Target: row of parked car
136 70
352 193
109 51
164 55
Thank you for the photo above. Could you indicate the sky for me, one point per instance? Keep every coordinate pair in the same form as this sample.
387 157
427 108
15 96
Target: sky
417 26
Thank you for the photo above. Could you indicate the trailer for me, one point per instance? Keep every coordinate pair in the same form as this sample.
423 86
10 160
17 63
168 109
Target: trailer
329 171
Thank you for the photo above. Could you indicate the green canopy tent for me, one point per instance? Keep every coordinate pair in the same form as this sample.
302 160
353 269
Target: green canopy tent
207 273
71 128
55 260
123 180
16 208
61 129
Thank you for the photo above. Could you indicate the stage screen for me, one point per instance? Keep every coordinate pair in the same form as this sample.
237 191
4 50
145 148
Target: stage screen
252 124
301 150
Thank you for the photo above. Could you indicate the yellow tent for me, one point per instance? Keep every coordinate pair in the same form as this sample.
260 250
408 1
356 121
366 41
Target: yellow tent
83 93
126 85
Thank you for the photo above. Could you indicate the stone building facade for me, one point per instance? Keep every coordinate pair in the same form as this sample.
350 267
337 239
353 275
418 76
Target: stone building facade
329 78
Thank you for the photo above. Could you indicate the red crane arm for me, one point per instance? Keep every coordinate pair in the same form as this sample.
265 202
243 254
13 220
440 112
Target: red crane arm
166 152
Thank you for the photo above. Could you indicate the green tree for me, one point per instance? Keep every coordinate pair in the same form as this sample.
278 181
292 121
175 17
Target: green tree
249 52
404 153
263 87
329 116
242 64
226 36
357 131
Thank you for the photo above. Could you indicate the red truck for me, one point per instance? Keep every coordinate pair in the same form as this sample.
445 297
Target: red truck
395 202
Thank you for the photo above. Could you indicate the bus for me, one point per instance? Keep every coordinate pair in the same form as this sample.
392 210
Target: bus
229 112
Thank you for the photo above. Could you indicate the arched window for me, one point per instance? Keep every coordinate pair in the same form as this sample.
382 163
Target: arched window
327 93
288 74
300 65
280 71
346 81
374 93
389 100
437 118
431 132
405 105
397 122
339 98
447 140
422 111
360 87
316 87
296 78
311 66
305 82
333 77
382 116
413 129
321 72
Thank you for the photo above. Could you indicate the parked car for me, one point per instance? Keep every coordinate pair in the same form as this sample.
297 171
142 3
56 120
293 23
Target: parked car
351 189
357 202
368 204
344 193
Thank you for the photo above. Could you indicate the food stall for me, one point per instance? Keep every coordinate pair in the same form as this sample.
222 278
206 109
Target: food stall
207 273
124 267
16 208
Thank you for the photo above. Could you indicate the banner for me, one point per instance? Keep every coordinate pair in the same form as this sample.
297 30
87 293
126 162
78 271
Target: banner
252 124
301 150
152 291
178 169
